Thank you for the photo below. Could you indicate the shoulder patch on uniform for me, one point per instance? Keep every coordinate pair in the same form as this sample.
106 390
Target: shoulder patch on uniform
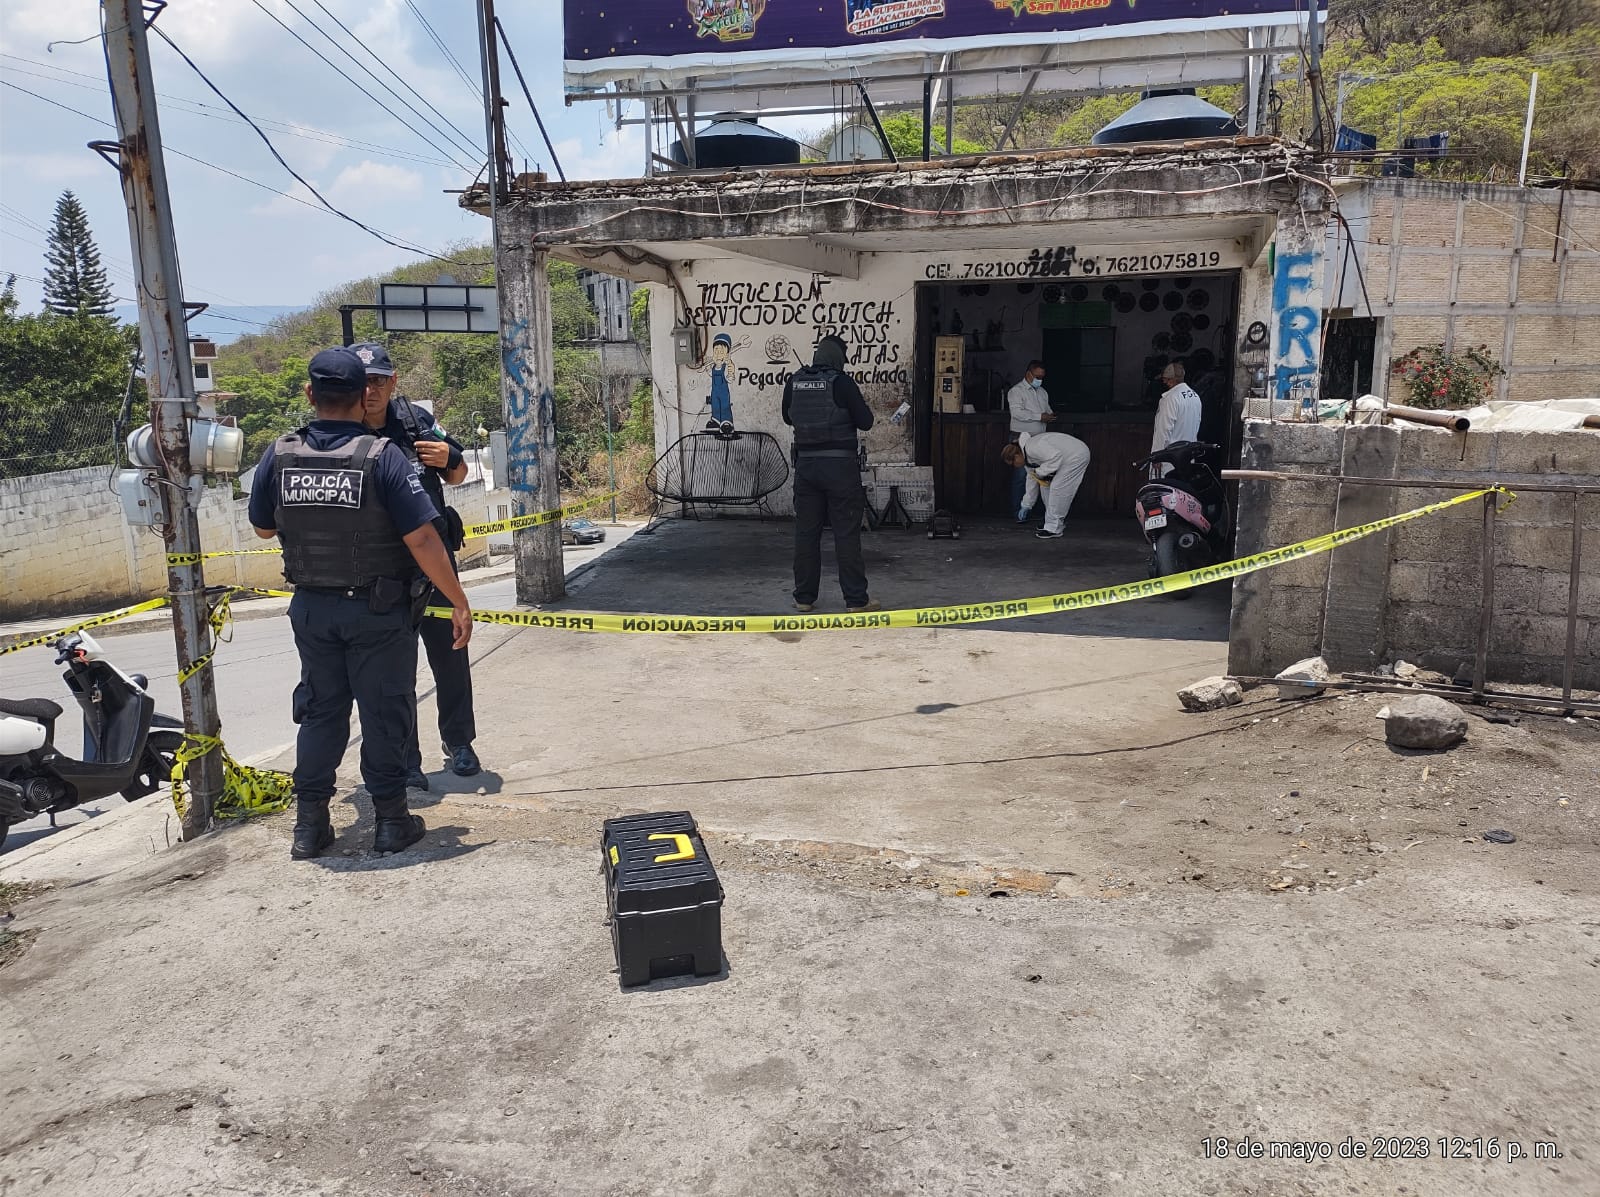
308 486
416 483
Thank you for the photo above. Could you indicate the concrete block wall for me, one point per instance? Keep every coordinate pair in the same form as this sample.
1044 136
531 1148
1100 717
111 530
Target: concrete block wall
65 547
1463 264
1415 591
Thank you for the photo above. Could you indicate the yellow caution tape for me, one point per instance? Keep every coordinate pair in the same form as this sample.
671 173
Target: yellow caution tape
540 517
923 617
220 616
196 558
510 525
246 790
908 617
108 617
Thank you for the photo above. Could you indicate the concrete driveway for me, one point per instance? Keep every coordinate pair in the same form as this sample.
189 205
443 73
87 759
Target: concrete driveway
999 920
256 671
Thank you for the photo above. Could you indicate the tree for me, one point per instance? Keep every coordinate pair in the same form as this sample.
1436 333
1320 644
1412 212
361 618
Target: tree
62 381
904 130
74 280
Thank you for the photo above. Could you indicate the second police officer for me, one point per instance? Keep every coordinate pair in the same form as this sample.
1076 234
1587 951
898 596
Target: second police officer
439 460
356 525
826 409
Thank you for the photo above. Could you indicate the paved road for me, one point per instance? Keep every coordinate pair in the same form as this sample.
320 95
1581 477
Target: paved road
255 673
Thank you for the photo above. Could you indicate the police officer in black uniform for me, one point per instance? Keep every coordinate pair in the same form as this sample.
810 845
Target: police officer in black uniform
439 460
356 524
826 409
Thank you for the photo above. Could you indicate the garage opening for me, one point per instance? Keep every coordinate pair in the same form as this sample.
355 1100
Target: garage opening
1103 342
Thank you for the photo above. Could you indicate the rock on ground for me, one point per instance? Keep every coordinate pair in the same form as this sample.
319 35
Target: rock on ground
1210 694
1424 721
1312 669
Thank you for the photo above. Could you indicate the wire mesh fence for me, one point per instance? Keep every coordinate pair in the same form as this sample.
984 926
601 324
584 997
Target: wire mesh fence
31 444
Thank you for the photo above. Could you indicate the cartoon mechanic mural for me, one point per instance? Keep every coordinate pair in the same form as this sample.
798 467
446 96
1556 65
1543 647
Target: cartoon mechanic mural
718 363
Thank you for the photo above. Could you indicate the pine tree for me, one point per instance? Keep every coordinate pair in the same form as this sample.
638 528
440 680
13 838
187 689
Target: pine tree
74 281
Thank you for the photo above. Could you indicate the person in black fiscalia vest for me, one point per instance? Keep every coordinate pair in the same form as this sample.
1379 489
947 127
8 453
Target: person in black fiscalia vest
439 460
826 409
355 523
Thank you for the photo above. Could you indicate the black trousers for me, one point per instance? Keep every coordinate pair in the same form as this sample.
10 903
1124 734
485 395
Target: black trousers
828 487
348 654
452 680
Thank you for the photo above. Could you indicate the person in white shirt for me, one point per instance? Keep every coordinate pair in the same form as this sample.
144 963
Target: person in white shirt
1029 404
1055 463
1178 415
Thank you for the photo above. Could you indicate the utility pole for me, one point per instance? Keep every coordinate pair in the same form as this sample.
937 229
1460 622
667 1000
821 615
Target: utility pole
169 376
1314 79
1527 130
527 351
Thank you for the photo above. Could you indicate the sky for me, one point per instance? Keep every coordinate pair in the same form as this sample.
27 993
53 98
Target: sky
238 243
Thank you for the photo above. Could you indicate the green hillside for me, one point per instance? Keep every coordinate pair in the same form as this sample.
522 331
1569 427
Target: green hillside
457 373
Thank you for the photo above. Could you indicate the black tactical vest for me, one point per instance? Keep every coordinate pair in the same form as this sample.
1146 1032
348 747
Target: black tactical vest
431 481
335 533
820 424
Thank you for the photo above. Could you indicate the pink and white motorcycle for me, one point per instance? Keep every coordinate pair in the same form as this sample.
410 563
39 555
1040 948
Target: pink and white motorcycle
1184 514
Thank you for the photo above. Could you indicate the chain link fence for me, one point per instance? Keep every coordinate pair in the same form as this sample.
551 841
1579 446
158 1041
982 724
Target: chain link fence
30 446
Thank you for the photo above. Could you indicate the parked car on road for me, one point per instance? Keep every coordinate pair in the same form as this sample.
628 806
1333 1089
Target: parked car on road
582 532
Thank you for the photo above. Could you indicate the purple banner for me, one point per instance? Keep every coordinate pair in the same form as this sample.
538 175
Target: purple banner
598 30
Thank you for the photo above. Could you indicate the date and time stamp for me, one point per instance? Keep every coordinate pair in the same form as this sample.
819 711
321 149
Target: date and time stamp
1492 1149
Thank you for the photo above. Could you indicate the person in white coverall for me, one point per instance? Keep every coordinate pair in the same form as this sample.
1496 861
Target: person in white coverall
1029 404
1056 464
1178 415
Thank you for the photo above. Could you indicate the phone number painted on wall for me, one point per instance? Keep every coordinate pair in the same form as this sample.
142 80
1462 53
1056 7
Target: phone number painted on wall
1064 262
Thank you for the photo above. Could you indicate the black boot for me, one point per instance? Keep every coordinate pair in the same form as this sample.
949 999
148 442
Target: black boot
313 830
397 827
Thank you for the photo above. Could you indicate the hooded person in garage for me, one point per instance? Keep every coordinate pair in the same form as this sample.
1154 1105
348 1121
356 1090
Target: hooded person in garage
826 410
1056 464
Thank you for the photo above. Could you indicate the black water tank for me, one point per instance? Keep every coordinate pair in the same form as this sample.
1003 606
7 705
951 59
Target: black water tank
738 141
1168 114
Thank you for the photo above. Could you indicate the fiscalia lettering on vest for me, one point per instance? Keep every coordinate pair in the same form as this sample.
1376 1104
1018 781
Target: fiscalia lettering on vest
336 488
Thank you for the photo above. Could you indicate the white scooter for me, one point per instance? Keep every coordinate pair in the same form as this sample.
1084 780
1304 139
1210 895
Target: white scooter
128 747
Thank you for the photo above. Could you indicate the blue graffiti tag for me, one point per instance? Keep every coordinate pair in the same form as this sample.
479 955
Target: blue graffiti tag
1296 349
523 448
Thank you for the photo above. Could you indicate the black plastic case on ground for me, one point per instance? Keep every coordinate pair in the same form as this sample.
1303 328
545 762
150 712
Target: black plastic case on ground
663 896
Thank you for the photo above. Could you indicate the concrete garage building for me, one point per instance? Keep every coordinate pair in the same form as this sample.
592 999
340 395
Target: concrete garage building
1103 262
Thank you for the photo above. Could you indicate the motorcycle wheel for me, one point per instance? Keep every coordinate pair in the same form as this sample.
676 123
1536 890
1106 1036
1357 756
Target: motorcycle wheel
1169 560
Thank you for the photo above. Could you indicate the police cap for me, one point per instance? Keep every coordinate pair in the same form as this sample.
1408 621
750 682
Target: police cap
376 357
338 372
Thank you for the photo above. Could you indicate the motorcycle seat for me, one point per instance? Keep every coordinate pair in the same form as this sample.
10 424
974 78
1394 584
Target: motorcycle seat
40 710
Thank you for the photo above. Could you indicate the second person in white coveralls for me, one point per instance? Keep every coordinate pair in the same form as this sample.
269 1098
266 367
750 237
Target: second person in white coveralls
1056 464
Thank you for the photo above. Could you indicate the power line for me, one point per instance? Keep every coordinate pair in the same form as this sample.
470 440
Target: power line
267 187
447 133
114 264
368 51
473 85
296 175
357 85
216 112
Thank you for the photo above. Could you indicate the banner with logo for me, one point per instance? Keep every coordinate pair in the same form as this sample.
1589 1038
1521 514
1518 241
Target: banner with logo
634 34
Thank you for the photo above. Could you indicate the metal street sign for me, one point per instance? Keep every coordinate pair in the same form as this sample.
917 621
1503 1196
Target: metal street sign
404 307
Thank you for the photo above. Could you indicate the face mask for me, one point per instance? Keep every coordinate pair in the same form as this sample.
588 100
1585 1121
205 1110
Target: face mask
1036 382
